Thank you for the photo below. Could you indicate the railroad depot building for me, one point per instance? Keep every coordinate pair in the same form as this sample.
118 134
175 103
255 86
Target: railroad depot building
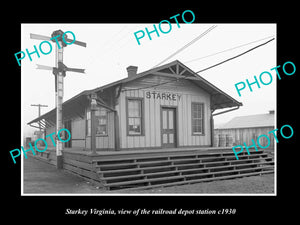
169 106
243 129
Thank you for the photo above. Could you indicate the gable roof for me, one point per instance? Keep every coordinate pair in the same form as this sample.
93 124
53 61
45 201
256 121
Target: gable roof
178 70
175 70
259 120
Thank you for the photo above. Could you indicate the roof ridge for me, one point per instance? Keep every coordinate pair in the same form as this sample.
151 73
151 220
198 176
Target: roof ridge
255 120
254 115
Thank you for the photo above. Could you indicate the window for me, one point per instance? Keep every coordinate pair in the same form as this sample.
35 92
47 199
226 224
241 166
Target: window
134 117
197 118
100 119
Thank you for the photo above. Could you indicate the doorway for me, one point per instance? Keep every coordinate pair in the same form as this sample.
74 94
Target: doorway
168 127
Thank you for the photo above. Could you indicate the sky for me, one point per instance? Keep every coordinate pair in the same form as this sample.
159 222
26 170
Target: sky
111 48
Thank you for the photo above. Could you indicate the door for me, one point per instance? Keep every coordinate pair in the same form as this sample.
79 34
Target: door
168 127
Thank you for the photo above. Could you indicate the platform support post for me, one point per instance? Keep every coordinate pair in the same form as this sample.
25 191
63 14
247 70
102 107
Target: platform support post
93 123
212 133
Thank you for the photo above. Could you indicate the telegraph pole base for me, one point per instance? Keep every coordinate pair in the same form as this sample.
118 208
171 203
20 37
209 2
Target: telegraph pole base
59 162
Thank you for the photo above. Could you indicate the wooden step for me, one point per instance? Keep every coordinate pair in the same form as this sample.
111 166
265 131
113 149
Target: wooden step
141 158
138 176
141 171
135 169
135 166
238 171
147 170
168 161
183 172
148 181
174 167
198 177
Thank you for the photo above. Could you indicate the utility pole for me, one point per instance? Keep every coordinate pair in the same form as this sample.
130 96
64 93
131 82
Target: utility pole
59 97
59 72
39 105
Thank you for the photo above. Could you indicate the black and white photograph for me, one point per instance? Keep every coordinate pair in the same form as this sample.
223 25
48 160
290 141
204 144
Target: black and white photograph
130 112
147 109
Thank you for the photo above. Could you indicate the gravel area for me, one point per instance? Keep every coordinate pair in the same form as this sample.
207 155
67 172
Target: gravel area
263 184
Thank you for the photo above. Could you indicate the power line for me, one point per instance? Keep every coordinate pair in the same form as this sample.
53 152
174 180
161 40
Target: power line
229 49
185 77
236 56
188 44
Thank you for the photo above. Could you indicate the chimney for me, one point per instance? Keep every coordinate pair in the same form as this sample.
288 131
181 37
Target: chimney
271 111
132 70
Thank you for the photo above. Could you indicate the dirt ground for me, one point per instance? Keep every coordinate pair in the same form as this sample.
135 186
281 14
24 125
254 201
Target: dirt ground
247 185
42 178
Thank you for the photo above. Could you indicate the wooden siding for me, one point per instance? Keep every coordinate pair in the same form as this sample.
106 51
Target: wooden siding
241 135
107 141
78 132
151 138
79 138
48 139
152 110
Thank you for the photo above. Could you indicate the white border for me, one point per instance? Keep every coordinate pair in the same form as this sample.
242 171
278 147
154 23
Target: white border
142 194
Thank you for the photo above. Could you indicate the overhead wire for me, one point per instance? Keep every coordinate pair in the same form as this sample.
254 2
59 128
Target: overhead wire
188 44
243 53
179 50
229 49
185 77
